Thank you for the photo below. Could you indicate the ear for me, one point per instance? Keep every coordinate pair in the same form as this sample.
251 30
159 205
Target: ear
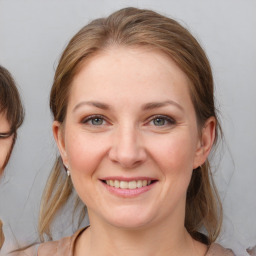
58 134
205 142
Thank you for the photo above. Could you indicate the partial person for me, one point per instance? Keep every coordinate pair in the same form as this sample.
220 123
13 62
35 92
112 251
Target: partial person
11 118
135 121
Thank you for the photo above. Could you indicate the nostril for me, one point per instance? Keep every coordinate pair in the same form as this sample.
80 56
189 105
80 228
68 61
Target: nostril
126 159
127 149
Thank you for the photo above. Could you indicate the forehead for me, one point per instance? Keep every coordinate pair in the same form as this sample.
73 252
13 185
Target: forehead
118 71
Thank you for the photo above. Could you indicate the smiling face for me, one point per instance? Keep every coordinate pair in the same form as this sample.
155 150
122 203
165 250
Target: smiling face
130 138
5 142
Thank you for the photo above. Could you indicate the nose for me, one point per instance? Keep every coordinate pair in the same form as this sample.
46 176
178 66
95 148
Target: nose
127 148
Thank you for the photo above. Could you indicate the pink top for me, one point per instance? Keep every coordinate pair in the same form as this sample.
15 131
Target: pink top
65 247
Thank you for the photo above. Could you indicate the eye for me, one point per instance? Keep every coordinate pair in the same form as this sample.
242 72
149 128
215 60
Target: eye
5 135
162 121
94 120
97 121
159 121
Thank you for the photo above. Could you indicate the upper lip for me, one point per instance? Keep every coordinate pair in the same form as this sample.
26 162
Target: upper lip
128 178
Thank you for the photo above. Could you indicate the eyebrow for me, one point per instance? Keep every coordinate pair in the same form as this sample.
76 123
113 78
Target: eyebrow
92 103
153 105
147 106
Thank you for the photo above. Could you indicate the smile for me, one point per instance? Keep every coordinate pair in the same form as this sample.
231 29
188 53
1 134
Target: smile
128 187
128 184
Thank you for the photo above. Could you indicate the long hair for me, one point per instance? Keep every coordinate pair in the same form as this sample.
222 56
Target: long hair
131 27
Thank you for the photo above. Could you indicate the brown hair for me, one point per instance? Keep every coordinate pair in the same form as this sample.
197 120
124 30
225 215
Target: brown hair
10 105
131 27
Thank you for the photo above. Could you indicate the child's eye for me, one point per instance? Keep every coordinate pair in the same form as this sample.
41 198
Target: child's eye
162 121
5 135
94 120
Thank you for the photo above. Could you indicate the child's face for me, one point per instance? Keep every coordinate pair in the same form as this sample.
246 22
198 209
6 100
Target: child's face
5 143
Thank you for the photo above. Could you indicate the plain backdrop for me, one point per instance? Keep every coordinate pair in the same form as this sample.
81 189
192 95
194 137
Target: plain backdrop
33 33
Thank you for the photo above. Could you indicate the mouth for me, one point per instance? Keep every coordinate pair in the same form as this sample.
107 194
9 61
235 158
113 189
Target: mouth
132 184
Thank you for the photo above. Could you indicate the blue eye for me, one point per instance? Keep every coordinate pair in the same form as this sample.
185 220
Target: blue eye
97 121
94 120
162 121
159 121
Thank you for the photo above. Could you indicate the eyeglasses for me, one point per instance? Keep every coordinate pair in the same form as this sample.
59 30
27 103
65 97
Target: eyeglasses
4 135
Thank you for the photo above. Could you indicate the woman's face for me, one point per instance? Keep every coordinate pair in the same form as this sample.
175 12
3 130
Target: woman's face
130 137
5 143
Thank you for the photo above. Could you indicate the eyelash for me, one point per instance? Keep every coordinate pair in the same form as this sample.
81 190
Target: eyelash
91 118
5 135
167 120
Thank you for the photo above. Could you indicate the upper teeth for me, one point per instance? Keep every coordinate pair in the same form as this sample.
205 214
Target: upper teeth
128 184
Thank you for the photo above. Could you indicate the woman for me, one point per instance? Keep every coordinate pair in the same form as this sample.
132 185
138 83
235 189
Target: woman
134 121
11 118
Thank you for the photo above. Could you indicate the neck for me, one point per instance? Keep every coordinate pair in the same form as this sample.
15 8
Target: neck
154 241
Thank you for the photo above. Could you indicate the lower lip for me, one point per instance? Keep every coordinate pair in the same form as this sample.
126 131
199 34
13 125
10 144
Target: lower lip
128 192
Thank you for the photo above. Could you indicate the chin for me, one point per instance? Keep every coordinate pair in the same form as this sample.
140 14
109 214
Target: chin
130 220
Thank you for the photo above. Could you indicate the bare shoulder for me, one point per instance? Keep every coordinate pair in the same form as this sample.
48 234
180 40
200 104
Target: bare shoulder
217 250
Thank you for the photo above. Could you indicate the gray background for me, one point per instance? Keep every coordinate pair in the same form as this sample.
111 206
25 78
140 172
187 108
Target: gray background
33 33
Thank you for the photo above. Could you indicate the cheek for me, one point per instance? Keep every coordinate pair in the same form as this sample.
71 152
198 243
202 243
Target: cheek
84 152
175 156
5 147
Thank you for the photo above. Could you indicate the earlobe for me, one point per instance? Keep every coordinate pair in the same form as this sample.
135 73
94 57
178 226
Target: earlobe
206 142
59 139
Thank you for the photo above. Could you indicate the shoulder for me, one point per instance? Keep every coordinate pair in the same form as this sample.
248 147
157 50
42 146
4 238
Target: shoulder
63 247
30 251
48 248
218 250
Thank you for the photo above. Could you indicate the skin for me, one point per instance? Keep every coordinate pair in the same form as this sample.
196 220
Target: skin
5 143
132 137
